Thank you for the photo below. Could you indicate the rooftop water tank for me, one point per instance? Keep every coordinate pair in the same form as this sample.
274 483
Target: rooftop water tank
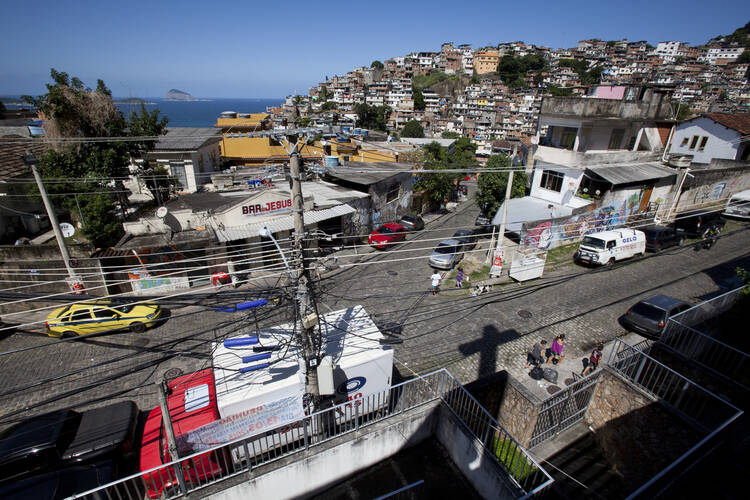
229 114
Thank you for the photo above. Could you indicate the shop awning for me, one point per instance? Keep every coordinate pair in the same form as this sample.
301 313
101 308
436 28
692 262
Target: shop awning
281 223
630 173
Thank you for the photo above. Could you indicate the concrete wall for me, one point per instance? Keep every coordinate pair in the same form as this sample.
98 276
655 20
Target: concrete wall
712 187
519 411
483 472
718 145
28 265
302 475
614 398
570 182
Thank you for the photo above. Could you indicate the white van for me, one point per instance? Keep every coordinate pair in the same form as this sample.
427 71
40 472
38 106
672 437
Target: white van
609 246
739 205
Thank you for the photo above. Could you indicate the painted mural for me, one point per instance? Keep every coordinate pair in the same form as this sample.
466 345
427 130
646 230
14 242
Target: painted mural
551 233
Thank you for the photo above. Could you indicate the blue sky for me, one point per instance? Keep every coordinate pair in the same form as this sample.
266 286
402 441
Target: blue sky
272 49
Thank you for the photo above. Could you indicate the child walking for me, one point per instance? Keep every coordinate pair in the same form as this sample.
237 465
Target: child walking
460 278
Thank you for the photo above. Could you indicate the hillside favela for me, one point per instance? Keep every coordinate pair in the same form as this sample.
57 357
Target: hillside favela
375 254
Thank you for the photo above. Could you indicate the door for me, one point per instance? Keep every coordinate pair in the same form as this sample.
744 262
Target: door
645 198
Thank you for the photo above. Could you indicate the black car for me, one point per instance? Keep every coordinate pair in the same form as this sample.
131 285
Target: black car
468 237
412 222
698 222
661 237
67 438
649 316
60 484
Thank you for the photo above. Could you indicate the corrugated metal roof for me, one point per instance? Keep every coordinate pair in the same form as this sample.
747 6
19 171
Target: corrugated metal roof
626 174
281 223
186 138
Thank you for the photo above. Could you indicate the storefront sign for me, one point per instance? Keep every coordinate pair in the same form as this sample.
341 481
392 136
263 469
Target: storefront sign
266 208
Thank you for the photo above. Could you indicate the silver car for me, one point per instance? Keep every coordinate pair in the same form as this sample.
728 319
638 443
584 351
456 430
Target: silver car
447 254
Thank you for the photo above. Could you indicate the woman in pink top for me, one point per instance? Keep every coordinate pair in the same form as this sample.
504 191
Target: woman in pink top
556 351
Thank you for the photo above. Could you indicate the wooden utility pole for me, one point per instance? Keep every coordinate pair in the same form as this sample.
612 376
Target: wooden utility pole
307 318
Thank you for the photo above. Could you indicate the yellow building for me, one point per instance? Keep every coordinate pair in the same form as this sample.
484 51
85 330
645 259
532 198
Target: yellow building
485 61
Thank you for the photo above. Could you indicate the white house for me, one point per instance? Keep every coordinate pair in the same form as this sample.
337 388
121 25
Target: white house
713 136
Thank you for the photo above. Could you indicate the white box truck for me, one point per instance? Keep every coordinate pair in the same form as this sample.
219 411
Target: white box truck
252 402
607 247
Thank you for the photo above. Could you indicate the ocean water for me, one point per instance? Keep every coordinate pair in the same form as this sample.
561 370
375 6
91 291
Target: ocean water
199 113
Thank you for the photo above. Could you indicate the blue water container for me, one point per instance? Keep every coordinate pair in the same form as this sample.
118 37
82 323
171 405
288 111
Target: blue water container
332 161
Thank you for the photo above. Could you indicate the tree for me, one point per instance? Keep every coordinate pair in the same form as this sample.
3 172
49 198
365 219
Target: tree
95 169
328 105
372 117
744 57
560 91
723 96
324 95
377 65
492 185
418 99
450 135
412 129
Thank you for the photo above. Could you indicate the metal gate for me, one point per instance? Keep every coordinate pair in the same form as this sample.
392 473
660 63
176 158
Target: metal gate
564 409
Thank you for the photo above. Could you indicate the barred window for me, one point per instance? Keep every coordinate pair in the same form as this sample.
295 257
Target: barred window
552 180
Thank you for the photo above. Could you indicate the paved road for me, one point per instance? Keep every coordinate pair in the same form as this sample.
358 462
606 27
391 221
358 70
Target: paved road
472 337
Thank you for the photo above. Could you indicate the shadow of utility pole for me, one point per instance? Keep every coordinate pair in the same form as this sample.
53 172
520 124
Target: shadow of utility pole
486 346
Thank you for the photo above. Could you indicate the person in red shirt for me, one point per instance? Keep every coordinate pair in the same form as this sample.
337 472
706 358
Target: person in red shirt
593 360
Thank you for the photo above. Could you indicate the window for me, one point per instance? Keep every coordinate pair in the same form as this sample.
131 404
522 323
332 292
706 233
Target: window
81 315
103 313
552 180
616 138
704 140
392 193
611 244
568 137
694 142
684 142
178 172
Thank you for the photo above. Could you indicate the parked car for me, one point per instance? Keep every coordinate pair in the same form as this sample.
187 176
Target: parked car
484 224
412 222
59 484
100 315
387 234
483 220
661 237
697 223
649 316
67 438
468 237
447 254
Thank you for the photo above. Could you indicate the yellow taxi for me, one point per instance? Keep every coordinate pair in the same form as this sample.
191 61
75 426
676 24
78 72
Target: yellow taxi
100 315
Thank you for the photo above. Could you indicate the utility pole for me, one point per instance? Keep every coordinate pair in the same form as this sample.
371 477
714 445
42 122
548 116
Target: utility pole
31 161
501 231
171 441
306 314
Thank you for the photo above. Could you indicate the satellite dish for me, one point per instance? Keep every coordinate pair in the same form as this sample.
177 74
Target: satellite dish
161 212
67 229
534 140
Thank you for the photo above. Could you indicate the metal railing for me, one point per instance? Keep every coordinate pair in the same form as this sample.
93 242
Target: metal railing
213 464
722 359
563 409
700 406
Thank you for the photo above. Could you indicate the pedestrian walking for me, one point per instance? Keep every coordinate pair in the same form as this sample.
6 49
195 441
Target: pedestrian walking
435 282
536 356
590 364
460 278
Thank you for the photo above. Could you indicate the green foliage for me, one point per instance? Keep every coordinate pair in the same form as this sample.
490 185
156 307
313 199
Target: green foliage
588 77
377 65
372 117
427 81
745 275
723 96
744 58
560 91
513 69
437 158
474 79
683 110
450 135
324 93
412 129
72 110
492 185
741 36
418 99
515 462
328 105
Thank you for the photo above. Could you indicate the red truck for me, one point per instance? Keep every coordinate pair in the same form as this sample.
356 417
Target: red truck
192 403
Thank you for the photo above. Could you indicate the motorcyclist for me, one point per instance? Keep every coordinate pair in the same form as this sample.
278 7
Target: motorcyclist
710 237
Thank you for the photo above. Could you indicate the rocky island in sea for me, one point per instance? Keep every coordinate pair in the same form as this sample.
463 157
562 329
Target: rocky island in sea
178 95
